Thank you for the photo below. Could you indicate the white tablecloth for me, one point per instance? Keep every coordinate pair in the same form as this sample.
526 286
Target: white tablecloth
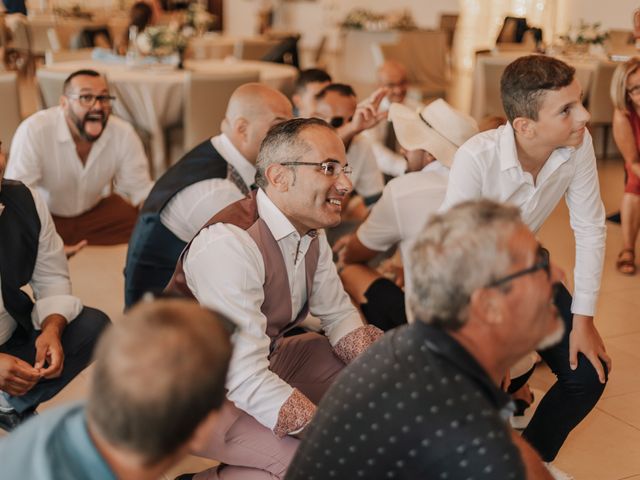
152 98
486 101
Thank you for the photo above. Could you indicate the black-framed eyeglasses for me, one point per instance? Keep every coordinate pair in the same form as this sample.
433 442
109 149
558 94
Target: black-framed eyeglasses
337 122
89 100
328 168
542 263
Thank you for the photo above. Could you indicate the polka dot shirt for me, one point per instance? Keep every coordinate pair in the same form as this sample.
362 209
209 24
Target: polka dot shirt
416 405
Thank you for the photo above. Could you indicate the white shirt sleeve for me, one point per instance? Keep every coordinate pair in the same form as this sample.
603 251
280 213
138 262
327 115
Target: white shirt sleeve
367 178
132 178
50 280
236 290
329 302
465 180
25 156
587 217
381 230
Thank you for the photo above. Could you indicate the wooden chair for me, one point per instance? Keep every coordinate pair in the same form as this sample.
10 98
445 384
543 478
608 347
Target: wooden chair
11 116
599 102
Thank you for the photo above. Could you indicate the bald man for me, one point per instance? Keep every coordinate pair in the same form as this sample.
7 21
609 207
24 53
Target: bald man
392 75
214 174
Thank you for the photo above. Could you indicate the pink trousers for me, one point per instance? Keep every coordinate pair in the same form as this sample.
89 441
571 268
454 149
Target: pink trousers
248 450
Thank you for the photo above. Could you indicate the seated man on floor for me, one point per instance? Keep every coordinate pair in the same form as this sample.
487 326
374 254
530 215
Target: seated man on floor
43 345
145 410
429 138
216 173
425 400
336 104
392 76
308 84
73 153
265 263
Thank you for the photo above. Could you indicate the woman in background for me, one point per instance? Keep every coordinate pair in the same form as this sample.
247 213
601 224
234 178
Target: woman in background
625 94
140 16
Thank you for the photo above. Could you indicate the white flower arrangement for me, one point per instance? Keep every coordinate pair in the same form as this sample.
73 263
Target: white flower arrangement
585 34
198 18
161 41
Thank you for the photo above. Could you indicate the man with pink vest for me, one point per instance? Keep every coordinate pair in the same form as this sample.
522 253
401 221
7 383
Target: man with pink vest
265 263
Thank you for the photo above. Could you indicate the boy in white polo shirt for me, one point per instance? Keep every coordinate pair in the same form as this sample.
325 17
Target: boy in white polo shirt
545 153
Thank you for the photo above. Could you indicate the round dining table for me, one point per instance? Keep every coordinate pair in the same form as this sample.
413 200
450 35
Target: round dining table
151 97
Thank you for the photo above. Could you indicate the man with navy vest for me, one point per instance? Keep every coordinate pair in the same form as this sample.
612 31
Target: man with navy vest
43 345
265 263
214 174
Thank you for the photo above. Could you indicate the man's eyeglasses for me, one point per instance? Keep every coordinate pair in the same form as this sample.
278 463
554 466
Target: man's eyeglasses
337 122
329 168
89 100
542 263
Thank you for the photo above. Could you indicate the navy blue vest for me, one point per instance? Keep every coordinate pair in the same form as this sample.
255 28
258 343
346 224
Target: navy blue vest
153 248
19 235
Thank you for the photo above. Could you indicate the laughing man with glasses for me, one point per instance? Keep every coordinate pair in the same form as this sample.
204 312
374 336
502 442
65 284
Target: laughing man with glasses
78 156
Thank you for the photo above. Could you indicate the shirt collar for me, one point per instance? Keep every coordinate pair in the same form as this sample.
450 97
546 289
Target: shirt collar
440 343
278 223
232 155
509 152
435 166
63 134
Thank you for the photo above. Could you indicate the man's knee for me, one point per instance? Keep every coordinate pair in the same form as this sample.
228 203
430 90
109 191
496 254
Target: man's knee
584 381
84 330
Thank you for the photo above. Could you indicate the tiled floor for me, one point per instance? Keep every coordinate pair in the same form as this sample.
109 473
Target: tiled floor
606 446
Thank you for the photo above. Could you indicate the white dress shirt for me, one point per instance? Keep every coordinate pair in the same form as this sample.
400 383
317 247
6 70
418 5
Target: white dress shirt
225 271
366 178
406 205
50 280
487 166
43 155
194 205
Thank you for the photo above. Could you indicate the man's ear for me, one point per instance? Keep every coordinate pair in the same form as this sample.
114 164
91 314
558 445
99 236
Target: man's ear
488 305
241 127
523 126
63 101
279 177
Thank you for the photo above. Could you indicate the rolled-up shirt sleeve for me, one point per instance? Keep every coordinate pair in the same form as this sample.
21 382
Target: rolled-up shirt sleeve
465 180
238 293
50 280
587 218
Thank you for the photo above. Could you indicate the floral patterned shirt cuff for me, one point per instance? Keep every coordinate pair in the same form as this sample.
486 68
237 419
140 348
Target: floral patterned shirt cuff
356 342
294 414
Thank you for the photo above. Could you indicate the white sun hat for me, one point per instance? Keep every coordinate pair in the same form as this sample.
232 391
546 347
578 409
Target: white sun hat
437 128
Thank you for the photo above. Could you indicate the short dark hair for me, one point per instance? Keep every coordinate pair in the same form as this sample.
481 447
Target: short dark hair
159 372
526 80
341 89
78 73
283 143
311 75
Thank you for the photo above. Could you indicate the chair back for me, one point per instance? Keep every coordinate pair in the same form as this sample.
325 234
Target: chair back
253 49
50 86
51 57
619 38
598 98
206 99
11 117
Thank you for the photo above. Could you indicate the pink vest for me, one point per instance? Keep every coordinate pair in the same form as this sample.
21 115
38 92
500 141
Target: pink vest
277 306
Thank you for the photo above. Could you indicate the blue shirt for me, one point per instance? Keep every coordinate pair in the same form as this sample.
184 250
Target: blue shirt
54 445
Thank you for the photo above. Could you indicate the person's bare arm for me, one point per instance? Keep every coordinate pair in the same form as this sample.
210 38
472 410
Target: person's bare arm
625 140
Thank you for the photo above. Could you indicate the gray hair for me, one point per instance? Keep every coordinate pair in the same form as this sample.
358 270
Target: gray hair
159 372
457 253
283 144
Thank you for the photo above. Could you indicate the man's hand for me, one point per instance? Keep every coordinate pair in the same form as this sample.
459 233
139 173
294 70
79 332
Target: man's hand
48 347
17 377
71 250
585 338
366 116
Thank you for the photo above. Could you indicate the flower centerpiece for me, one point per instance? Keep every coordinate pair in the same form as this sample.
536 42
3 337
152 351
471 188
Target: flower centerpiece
362 19
581 37
161 42
197 20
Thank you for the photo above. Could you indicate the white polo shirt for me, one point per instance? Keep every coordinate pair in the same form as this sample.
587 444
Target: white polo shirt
487 166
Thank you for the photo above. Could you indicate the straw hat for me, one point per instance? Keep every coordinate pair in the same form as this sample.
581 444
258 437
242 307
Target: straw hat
437 128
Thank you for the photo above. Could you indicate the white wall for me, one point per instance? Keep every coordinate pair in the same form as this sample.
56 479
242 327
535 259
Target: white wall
611 13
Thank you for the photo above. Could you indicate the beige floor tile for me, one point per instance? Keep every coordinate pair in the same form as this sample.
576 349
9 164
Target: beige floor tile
616 316
624 376
601 448
625 408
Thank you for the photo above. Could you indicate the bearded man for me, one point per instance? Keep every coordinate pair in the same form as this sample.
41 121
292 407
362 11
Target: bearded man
89 166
